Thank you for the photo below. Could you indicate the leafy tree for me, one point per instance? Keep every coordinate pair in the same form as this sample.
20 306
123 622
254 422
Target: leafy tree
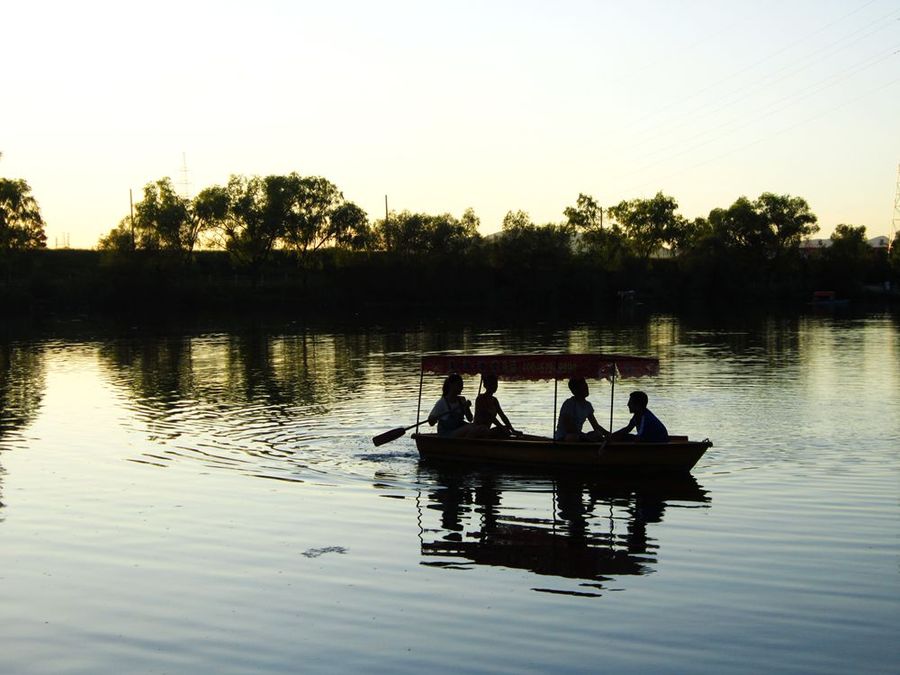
586 215
163 217
208 210
788 218
648 223
258 210
517 220
470 222
311 202
409 233
351 227
119 239
849 254
769 226
740 226
21 224
523 244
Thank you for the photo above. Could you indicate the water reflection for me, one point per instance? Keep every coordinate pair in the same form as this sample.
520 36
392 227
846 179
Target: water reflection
22 384
591 529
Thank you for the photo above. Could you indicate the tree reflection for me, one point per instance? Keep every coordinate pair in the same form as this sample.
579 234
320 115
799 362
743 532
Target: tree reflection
22 385
590 529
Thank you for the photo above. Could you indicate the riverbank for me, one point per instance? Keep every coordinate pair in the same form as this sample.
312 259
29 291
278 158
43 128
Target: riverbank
336 282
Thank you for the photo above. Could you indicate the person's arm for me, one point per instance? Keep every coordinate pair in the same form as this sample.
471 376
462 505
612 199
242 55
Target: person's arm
596 425
628 428
466 407
438 411
504 418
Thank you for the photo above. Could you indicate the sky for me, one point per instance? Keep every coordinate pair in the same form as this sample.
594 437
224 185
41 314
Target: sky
493 105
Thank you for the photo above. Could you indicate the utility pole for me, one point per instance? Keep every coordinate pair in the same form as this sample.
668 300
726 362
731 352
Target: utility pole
131 204
895 221
385 210
185 180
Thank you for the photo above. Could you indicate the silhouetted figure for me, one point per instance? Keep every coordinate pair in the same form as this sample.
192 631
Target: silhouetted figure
649 428
488 410
452 410
575 411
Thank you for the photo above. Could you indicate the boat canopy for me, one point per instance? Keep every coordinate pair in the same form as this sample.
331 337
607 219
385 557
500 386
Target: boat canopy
542 366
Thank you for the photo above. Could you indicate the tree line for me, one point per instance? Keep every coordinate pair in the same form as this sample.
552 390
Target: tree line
751 244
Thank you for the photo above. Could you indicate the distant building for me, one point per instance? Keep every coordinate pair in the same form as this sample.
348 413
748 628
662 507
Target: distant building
814 246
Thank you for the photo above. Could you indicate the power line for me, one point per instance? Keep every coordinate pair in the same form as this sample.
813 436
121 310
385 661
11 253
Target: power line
761 113
784 130
732 76
744 91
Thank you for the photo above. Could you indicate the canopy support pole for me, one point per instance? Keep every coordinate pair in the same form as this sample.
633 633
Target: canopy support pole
555 387
612 396
419 403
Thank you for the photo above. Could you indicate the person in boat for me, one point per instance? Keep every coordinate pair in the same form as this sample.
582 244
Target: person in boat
488 410
453 412
649 428
574 412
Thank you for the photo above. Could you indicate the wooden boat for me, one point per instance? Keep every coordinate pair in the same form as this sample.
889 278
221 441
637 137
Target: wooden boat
678 454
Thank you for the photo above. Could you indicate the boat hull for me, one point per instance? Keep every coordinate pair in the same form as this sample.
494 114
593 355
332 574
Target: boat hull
678 454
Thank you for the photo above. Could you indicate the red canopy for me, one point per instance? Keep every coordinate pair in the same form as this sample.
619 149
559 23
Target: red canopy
542 366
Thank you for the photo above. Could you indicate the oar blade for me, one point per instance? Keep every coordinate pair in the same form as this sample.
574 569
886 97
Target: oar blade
388 436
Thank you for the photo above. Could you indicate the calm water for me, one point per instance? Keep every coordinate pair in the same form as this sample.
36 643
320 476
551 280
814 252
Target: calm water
205 499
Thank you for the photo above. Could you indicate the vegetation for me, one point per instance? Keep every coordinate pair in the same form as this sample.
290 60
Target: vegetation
21 225
295 241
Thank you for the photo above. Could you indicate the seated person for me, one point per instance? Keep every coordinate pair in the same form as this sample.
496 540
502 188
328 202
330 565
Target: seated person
487 410
649 428
452 410
574 412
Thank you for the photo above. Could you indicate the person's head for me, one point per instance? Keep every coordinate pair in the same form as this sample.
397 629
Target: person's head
579 388
453 385
490 383
637 401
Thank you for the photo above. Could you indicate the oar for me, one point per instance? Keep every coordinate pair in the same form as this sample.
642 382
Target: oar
394 434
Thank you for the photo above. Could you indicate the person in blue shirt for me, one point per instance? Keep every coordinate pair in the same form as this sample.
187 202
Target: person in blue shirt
649 428
574 412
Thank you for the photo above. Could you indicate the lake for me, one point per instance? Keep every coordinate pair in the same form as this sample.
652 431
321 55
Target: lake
206 498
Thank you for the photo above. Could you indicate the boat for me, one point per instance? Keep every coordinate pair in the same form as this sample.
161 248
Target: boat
678 454
827 299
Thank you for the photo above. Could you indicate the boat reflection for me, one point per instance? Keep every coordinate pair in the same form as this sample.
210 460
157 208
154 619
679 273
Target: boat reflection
565 525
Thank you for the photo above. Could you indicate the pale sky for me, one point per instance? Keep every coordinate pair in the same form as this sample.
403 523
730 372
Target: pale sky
496 106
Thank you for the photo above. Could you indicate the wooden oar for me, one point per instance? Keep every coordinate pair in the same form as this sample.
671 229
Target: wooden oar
394 434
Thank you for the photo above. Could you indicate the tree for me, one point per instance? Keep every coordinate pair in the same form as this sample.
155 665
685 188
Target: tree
788 218
517 220
769 226
522 244
586 215
849 254
351 227
208 210
648 223
119 239
740 226
258 209
21 224
311 201
409 233
163 218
